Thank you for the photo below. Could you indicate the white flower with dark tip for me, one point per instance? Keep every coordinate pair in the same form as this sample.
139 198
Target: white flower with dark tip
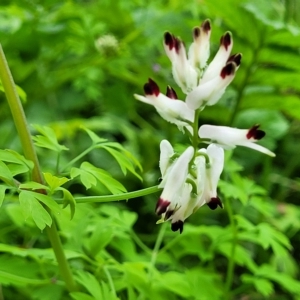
202 86
169 107
178 200
175 190
229 138
208 175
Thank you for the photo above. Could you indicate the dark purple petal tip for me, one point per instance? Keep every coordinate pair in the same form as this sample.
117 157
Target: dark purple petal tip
151 88
214 203
226 40
229 69
178 225
161 206
172 42
255 133
169 40
235 58
171 93
196 32
206 25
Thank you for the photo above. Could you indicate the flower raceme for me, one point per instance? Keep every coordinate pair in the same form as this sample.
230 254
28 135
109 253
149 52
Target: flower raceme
202 85
183 193
190 180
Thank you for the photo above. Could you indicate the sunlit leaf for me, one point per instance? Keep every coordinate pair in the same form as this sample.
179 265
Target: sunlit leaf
47 139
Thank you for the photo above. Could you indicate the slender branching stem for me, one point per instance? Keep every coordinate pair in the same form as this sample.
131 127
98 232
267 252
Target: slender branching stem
116 197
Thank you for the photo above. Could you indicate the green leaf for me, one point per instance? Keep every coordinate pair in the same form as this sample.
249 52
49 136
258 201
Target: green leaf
87 179
90 282
269 236
124 158
263 286
136 276
81 296
40 216
17 169
48 139
287 282
89 175
32 185
94 137
241 256
6 175
68 199
14 157
243 223
31 207
54 182
48 201
101 236
7 278
3 188
176 283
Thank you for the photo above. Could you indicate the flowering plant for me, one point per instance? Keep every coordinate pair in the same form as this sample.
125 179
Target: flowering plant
190 180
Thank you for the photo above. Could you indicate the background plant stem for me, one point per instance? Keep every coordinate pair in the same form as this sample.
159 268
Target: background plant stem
29 153
231 262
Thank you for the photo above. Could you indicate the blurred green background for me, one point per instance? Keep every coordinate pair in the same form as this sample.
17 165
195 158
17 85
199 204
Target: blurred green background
78 63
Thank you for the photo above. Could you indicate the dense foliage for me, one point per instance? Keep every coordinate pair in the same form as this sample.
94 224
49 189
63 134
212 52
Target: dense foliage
77 65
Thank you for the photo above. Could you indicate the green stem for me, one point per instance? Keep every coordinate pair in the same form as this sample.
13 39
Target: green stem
231 262
156 249
18 115
110 281
195 132
60 257
117 197
74 160
29 153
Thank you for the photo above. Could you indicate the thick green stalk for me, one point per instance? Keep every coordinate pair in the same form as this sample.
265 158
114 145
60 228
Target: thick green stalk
29 152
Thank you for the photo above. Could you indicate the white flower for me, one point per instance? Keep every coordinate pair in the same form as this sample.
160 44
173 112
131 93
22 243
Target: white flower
172 110
178 199
229 138
200 48
175 189
202 86
183 72
208 176
211 91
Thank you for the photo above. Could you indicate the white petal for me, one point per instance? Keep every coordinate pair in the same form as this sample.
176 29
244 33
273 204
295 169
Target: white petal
216 157
177 176
219 61
202 93
229 138
200 48
223 135
166 152
187 205
143 99
257 147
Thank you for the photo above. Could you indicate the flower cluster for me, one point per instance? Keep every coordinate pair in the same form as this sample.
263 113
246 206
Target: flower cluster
190 180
